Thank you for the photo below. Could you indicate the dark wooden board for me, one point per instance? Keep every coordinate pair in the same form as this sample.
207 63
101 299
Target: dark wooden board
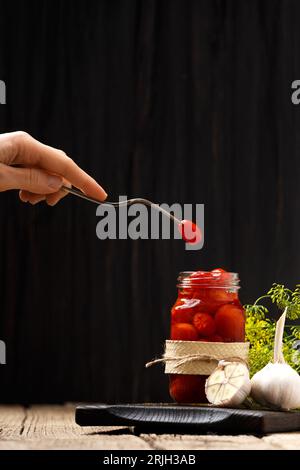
172 418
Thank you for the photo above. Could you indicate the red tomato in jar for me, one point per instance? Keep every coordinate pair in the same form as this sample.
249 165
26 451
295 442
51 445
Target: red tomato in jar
181 316
188 388
199 275
220 276
219 271
230 323
220 295
207 304
204 323
184 332
184 310
200 278
199 293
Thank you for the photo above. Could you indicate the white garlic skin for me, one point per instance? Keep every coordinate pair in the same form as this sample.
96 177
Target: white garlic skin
277 384
232 382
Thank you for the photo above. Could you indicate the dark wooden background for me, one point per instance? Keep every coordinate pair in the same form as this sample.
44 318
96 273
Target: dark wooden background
176 101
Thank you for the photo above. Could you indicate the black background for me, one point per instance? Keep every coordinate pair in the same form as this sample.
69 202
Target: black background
175 101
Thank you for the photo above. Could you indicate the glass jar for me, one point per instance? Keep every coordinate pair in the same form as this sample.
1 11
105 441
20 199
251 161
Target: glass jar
207 309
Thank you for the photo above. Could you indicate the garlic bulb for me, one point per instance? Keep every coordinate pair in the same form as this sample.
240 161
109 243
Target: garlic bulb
277 384
228 385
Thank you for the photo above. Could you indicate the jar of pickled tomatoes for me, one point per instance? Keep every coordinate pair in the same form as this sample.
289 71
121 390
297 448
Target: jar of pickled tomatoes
207 309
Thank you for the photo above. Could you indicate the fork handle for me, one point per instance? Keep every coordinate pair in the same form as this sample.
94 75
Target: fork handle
128 202
78 193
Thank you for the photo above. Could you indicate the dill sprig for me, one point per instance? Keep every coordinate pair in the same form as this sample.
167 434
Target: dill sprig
260 329
286 298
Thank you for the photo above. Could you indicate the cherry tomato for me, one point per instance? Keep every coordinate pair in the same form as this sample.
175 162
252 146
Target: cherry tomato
188 388
181 316
200 279
230 323
204 323
206 304
190 232
219 270
184 310
199 275
221 277
220 295
199 293
184 332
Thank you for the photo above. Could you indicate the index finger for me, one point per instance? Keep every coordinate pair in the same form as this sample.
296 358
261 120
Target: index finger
31 152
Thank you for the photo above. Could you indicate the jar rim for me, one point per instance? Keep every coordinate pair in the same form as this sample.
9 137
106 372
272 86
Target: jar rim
215 281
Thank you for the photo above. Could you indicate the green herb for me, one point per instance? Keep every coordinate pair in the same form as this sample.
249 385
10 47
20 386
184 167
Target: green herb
260 330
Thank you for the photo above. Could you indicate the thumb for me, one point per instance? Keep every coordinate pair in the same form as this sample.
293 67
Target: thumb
31 179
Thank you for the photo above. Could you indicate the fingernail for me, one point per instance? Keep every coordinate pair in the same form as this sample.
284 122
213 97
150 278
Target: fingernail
22 197
54 182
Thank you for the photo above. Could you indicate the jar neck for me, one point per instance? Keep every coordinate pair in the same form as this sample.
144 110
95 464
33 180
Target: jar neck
191 279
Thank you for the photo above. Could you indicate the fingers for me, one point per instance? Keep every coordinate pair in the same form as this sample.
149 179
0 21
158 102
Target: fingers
50 199
30 179
28 151
26 196
53 199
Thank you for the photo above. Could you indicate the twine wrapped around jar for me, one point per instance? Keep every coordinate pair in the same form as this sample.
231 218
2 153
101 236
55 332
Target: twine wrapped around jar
199 357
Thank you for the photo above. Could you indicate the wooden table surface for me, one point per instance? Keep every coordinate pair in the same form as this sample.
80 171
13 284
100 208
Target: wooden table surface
53 427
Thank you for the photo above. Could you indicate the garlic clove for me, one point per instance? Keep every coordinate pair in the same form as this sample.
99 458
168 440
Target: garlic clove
228 385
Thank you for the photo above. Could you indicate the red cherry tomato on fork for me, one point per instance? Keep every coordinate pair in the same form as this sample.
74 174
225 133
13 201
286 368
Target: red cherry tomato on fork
190 232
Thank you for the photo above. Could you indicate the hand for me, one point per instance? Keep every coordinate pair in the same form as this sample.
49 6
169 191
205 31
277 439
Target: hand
41 170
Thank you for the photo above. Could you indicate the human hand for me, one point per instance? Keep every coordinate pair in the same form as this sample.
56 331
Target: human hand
39 171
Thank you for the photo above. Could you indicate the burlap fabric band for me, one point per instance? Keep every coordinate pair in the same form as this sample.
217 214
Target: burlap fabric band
199 357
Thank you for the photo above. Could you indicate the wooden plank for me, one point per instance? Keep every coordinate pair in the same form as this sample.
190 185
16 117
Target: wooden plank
11 421
104 442
206 442
285 441
53 427
58 421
